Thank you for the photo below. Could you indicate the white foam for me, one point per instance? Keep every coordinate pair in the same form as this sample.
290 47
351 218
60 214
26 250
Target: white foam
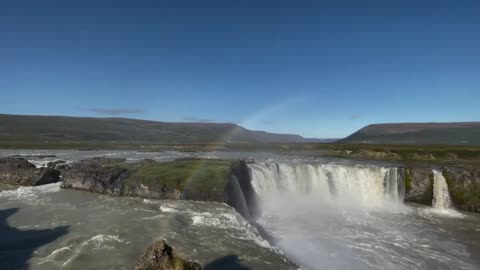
152 217
29 194
230 221
167 209
56 255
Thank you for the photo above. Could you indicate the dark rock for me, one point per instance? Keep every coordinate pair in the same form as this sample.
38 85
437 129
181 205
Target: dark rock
464 187
419 185
57 164
160 256
91 175
154 191
18 171
239 192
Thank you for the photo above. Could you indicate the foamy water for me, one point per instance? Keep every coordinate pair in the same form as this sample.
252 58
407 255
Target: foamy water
80 230
322 215
337 216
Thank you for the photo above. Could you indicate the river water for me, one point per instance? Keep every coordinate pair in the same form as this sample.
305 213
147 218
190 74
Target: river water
319 213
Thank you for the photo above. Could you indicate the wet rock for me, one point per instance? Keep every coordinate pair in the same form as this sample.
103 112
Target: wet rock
464 187
160 256
18 171
419 185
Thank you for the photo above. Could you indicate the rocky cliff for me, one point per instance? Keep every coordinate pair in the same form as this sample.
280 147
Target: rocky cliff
463 185
18 171
419 185
191 179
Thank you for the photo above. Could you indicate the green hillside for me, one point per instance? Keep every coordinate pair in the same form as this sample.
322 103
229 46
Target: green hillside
467 133
60 130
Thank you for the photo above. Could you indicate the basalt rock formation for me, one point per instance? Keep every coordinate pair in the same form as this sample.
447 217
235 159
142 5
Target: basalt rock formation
18 171
160 256
419 185
95 176
464 187
191 179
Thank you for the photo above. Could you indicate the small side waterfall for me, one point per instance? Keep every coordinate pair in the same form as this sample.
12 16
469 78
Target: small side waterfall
441 197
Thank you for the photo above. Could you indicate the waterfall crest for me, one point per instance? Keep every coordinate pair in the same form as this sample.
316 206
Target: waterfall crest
366 184
441 197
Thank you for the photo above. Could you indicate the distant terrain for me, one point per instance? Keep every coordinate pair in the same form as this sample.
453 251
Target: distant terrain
72 132
466 133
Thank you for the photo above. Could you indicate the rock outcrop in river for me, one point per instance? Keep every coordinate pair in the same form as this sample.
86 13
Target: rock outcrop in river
18 171
193 179
160 256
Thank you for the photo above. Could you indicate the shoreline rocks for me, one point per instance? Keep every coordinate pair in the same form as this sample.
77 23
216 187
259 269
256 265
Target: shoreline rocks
20 172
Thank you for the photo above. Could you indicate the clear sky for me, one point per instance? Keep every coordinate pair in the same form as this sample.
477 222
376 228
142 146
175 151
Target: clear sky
315 68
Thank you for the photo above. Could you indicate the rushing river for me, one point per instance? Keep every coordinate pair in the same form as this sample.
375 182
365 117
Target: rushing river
320 214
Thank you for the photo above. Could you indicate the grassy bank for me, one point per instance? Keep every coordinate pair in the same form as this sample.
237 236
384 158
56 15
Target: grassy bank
200 175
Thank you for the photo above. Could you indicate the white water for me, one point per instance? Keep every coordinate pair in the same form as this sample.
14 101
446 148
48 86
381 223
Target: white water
337 216
369 186
441 197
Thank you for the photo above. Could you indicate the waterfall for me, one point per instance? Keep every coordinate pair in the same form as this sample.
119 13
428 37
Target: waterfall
369 185
441 197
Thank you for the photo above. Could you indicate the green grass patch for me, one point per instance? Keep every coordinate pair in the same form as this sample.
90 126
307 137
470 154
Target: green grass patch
199 175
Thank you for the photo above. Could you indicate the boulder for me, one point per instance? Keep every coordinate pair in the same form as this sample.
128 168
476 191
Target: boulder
419 185
18 171
160 256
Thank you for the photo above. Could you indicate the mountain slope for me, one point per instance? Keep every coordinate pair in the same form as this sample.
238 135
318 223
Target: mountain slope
462 133
62 129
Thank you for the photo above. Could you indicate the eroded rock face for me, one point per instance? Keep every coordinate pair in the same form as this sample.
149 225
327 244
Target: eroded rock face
464 187
154 191
419 185
18 171
160 256
91 175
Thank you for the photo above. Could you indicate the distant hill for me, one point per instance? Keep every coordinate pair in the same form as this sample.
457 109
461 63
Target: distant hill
463 133
62 129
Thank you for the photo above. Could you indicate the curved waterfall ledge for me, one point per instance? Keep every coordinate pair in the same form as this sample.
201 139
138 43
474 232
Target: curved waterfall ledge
367 185
371 185
241 185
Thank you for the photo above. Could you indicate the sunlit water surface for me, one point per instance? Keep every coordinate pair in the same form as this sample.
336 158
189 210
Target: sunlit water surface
362 225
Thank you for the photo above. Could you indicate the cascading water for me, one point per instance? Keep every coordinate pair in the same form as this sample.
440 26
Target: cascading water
441 197
343 216
369 185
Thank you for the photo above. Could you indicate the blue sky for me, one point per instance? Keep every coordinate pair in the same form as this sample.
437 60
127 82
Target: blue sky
315 68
